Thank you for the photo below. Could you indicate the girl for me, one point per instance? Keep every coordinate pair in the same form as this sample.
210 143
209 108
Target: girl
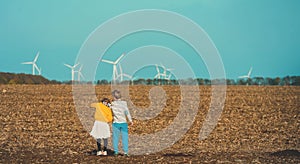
103 115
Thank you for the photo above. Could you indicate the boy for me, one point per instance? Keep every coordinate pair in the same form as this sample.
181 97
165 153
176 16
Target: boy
120 125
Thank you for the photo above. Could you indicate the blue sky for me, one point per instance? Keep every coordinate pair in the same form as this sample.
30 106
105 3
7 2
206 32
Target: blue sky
260 33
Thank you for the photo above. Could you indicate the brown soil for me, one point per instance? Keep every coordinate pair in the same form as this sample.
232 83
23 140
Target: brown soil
39 124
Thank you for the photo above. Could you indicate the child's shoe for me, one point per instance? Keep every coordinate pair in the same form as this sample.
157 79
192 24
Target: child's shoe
104 153
99 153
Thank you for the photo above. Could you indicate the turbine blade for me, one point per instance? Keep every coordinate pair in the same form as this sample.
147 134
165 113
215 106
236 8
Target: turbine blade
36 57
242 76
80 68
169 77
117 61
27 63
118 76
121 71
165 70
80 74
157 69
107 61
128 76
249 73
38 70
74 66
68 65
35 66
157 76
163 66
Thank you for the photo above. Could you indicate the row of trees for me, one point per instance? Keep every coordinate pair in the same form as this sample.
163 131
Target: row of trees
11 78
288 80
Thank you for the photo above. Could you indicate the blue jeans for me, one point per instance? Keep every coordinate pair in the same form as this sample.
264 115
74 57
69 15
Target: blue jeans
118 128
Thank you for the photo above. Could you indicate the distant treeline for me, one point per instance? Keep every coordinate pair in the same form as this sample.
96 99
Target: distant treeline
288 80
11 78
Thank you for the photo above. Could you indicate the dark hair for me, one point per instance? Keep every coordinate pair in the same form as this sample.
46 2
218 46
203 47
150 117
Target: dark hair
116 94
105 100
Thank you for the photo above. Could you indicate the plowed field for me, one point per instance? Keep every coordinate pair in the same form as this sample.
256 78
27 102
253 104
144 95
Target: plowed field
39 124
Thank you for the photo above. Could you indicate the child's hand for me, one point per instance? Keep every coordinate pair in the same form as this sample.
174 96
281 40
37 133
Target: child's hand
131 123
130 128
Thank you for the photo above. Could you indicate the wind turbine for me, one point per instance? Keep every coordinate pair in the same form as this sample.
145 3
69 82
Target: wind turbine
114 63
79 74
246 76
72 69
34 66
167 77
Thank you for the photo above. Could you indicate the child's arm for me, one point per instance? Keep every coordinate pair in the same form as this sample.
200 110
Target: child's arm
127 113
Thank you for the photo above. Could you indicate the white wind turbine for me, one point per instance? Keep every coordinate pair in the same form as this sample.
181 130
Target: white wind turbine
72 69
79 74
247 76
114 63
34 66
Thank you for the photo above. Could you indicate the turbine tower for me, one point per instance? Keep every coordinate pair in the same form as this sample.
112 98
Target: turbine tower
114 63
72 69
34 66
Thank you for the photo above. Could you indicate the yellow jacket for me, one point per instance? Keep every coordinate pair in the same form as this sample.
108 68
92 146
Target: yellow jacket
102 113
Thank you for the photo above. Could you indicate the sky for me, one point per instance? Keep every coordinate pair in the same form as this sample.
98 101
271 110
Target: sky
263 34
